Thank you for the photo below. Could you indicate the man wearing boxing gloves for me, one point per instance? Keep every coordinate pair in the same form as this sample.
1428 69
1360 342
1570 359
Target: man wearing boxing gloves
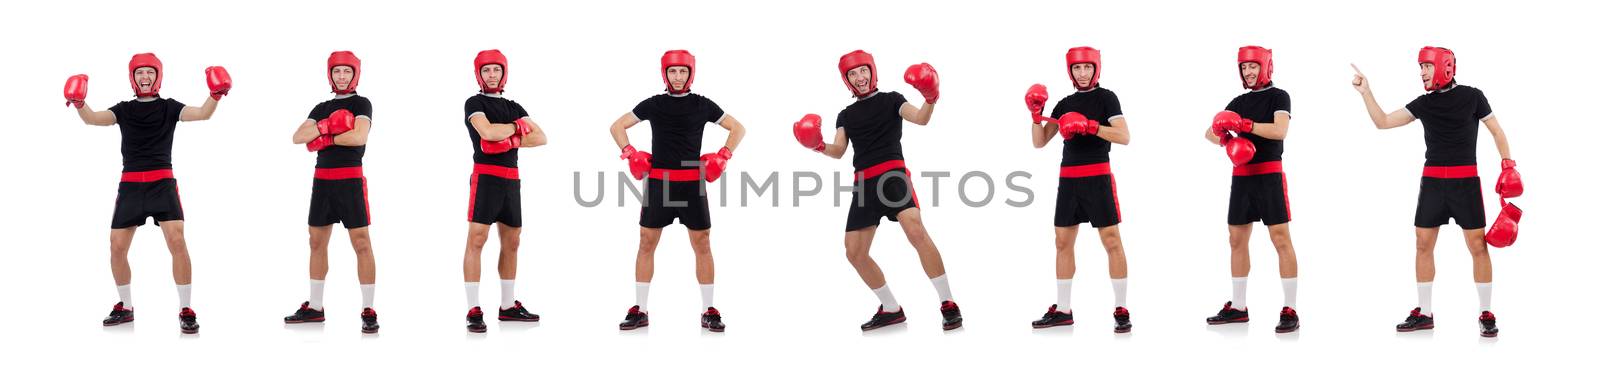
148 189
337 131
1089 121
1252 130
673 189
497 127
882 182
1450 114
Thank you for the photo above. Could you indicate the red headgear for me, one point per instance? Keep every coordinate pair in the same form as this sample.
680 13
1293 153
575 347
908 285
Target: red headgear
1444 66
677 58
488 57
1261 56
141 61
348 59
853 60
1084 54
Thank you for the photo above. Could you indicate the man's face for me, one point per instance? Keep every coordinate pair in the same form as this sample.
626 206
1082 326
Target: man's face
1083 74
861 79
1251 72
678 76
146 78
491 75
1427 73
342 74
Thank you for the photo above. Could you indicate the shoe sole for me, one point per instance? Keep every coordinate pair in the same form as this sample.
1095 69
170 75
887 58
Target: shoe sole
1288 330
189 331
510 319
369 331
478 330
1489 335
647 324
112 324
1053 325
317 320
1245 320
951 327
896 321
1404 330
718 330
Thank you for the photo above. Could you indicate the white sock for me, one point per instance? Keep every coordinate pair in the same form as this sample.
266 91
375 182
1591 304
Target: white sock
1238 292
508 293
706 291
641 295
183 296
472 294
1064 295
1291 286
1485 291
316 294
367 291
887 299
1119 287
1425 297
942 285
125 292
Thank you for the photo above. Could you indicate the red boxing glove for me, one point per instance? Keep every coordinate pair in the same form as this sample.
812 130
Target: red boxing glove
1504 231
1239 149
524 126
1036 98
1230 121
638 161
76 90
319 143
925 80
218 81
1510 184
1074 123
340 121
809 132
501 146
714 164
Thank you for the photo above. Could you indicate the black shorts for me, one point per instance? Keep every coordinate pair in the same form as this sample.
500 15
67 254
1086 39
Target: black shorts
1442 199
876 197
1090 199
496 198
682 200
137 200
339 201
1259 197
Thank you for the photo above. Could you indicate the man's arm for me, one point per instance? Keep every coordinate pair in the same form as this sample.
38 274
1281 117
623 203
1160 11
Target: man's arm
490 131
1382 121
96 118
913 114
840 143
356 136
735 131
1116 133
203 112
619 129
1500 141
1278 130
536 137
306 132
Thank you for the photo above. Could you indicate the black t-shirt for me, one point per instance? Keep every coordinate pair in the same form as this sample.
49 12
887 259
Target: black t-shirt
676 124
1450 124
873 125
498 110
147 129
1098 105
337 156
1261 106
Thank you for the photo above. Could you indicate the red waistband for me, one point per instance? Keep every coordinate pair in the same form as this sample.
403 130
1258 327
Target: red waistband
881 168
1086 170
1459 171
1258 169
675 175
338 173
147 176
495 170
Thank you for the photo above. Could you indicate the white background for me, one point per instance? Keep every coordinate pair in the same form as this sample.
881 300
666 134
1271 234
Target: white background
788 295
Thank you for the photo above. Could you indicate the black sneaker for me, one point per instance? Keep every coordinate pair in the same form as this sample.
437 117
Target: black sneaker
305 315
1415 322
1288 320
118 315
1124 324
517 313
475 320
1053 318
712 320
636 319
1229 315
952 314
1486 325
186 321
369 321
884 319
